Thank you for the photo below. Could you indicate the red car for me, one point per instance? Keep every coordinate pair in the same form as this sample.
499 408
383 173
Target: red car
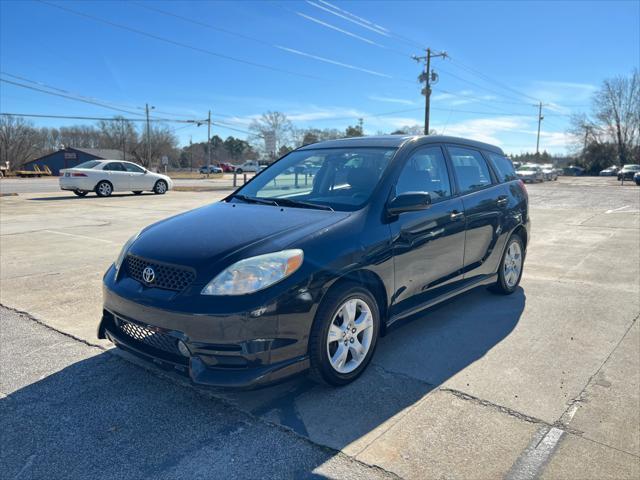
226 167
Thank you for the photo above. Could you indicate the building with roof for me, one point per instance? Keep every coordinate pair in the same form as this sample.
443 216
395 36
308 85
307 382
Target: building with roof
70 157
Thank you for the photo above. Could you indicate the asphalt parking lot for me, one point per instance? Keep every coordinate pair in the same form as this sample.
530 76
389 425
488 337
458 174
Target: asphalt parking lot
544 383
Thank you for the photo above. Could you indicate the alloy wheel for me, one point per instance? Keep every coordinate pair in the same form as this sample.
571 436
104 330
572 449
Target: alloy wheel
350 335
512 264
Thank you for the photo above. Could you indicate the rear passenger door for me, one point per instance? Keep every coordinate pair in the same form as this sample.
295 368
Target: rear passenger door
484 201
117 175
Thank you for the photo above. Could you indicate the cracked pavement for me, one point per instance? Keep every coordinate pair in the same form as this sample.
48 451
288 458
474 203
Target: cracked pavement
544 383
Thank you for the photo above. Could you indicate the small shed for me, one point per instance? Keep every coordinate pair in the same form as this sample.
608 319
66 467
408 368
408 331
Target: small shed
69 157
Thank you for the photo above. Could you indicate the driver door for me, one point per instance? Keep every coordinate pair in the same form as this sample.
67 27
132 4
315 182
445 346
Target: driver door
138 177
428 245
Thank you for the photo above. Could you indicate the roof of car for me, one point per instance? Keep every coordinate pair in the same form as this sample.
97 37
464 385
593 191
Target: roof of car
395 141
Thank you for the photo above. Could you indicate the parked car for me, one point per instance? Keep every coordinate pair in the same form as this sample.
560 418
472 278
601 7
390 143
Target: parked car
628 171
276 279
573 171
530 173
107 176
206 169
550 173
248 166
611 171
636 178
227 167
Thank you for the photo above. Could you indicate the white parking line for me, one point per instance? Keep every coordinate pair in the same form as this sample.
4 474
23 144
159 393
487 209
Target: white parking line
79 236
617 209
535 457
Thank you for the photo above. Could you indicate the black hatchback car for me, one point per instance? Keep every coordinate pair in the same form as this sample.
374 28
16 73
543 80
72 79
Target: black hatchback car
305 266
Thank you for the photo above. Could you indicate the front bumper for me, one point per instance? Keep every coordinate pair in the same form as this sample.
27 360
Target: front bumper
239 350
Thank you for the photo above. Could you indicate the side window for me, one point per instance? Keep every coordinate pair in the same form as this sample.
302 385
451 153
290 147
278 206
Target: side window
133 168
471 169
114 167
425 171
503 166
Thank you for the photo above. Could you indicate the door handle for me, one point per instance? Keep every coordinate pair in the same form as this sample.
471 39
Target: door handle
456 215
502 201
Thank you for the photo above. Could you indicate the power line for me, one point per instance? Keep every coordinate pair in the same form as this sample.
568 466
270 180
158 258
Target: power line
94 100
108 119
177 43
70 97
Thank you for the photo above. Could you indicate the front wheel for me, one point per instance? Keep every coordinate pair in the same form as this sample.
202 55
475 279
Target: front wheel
160 187
510 271
344 335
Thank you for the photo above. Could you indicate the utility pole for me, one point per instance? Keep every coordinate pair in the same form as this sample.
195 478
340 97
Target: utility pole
190 154
148 152
426 77
209 139
540 118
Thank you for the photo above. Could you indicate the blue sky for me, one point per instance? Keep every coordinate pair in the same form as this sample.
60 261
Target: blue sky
322 63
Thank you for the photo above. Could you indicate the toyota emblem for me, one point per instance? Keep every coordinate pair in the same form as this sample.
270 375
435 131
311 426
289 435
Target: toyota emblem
148 275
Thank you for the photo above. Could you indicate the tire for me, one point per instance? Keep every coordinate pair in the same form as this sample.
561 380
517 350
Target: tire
104 189
160 188
322 369
137 192
238 170
508 281
80 193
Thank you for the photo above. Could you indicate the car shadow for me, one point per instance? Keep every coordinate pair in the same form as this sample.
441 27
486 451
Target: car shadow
89 197
410 361
103 417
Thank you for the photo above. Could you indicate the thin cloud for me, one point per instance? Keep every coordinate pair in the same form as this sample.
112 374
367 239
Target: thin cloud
401 101
338 29
333 62
348 19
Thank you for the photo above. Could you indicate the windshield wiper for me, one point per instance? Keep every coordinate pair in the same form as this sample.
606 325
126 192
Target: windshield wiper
299 203
263 201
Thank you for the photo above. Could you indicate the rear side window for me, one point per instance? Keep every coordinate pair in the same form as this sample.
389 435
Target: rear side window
503 166
114 167
89 164
471 169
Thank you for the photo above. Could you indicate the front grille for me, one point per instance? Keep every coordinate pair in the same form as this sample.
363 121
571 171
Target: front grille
168 277
157 340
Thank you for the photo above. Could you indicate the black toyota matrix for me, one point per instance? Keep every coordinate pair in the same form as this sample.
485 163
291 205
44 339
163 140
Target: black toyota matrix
305 266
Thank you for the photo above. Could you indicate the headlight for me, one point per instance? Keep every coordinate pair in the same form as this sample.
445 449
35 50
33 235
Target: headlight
123 252
255 273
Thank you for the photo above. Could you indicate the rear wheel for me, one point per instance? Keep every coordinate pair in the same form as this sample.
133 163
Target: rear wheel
160 187
344 335
80 193
510 271
104 189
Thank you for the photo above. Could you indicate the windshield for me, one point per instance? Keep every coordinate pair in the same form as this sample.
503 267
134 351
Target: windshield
527 169
631 167
89 164
339 179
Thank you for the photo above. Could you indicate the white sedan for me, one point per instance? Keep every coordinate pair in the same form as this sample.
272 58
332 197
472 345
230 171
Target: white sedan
107 176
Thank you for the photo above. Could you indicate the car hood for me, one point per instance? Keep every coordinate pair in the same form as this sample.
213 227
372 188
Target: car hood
212 237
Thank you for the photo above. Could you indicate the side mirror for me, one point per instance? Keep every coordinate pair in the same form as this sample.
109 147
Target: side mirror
409 202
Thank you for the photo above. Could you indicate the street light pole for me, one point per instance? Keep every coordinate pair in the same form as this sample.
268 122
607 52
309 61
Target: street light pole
209 139
540 118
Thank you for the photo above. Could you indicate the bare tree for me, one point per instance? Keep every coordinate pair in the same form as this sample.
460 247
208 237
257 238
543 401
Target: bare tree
617 111
273 125
118 133
19 141
162 141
